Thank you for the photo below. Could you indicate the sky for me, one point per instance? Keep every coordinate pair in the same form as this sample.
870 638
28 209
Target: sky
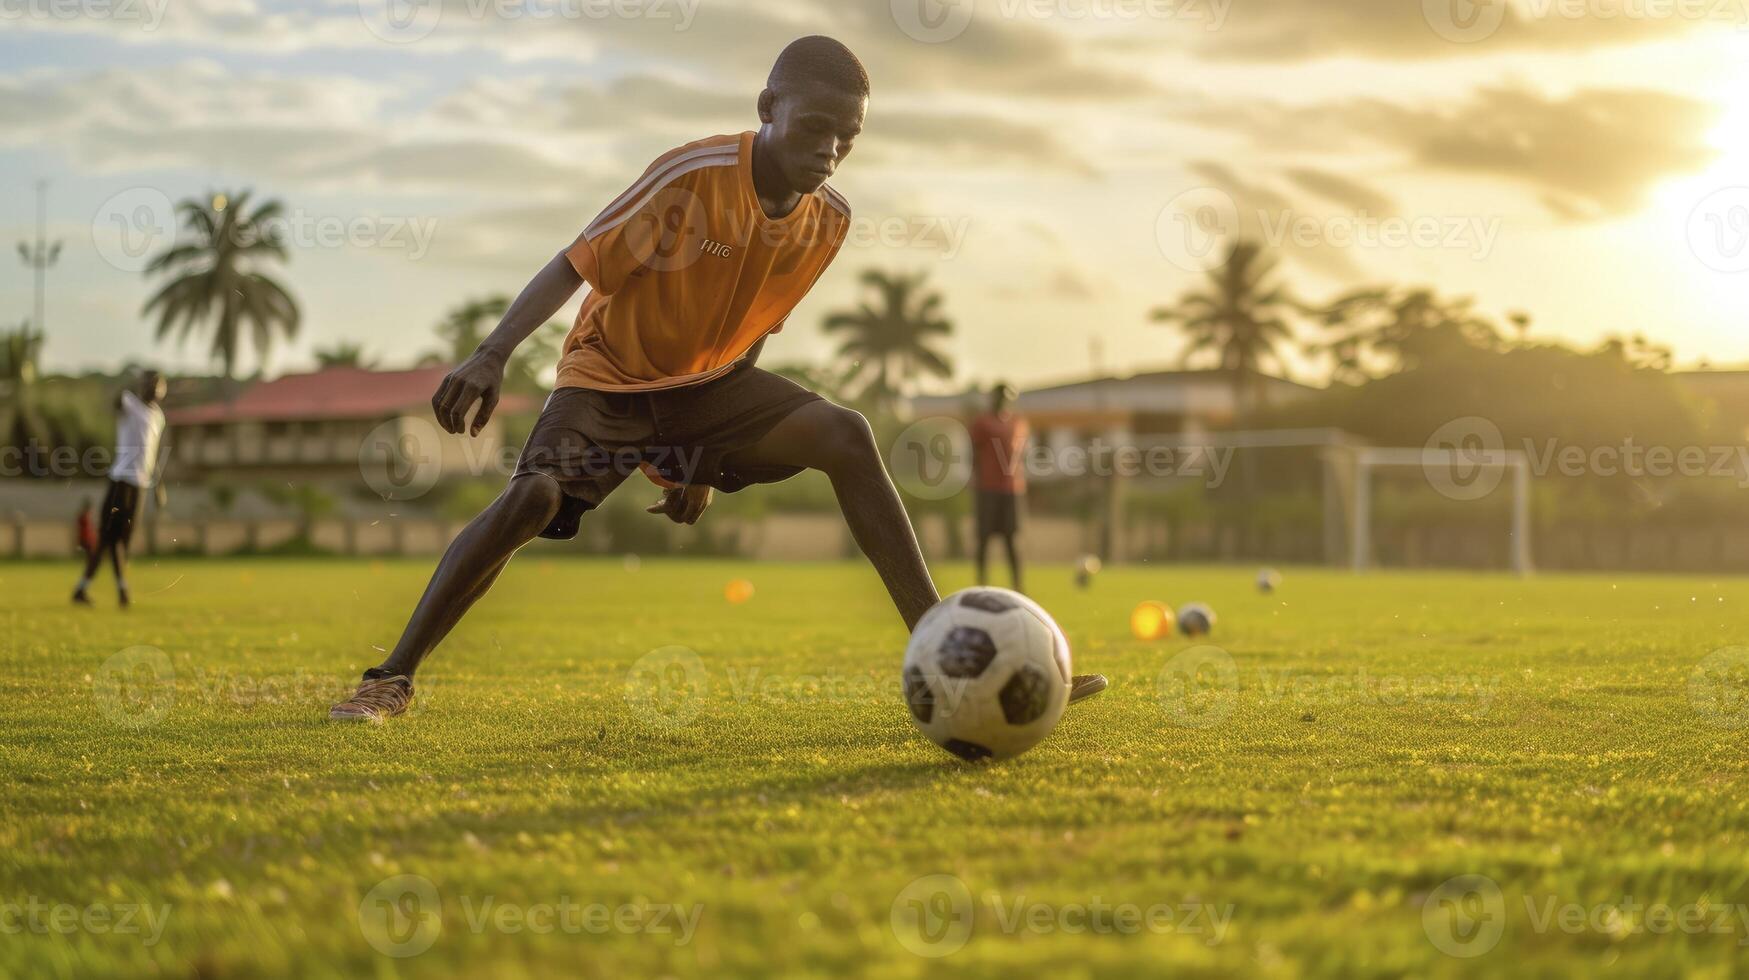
1058 167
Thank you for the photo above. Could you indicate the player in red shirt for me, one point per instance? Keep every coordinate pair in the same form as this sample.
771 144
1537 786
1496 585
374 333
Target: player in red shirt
999 465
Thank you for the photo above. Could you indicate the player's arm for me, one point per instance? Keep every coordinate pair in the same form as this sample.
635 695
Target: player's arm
481 377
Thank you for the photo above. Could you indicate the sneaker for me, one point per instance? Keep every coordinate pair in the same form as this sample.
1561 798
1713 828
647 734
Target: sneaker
1084 686
376 699
81 599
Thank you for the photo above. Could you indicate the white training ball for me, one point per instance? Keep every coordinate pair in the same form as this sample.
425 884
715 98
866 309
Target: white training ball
986 674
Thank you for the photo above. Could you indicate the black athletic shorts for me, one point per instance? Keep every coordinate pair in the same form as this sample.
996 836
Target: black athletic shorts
590 441
115 520
998 513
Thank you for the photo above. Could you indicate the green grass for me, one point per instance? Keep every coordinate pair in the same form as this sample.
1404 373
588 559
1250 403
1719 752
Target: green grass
1386 734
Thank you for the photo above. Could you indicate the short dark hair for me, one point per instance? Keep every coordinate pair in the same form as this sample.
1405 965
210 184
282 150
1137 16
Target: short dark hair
817 60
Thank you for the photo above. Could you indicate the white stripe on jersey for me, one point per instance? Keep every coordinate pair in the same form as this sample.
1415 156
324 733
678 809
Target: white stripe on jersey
707 156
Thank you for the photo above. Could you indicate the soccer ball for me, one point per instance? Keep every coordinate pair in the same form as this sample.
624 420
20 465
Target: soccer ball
986 674
1195 619
1267 580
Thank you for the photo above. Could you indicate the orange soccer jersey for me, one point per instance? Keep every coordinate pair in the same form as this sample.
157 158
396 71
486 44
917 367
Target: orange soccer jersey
686 272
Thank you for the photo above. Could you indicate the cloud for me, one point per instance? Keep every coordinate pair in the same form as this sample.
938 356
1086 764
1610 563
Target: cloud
1350 193
516 240
449 164
649 114
1262 211
915 138
331 132
1593 153
1293 30
729 43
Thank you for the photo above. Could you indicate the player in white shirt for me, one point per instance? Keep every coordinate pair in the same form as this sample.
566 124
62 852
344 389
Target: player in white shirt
139 425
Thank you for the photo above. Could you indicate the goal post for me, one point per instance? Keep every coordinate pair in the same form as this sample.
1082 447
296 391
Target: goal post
1457 474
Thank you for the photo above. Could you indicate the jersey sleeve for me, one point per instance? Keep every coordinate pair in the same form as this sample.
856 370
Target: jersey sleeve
606 253
649 227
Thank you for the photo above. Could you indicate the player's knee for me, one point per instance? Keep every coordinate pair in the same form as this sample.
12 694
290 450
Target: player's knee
533 498
848 438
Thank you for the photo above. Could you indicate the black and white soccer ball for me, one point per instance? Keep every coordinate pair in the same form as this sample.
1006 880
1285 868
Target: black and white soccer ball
986 674
1267 580
1195 619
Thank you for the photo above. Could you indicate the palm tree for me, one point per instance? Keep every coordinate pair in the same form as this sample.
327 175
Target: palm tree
1239 316
1382 329
890 339
215 279
344 354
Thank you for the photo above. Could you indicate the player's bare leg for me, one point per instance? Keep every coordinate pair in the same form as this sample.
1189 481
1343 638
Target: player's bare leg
838 442
978 559
470 565
466 572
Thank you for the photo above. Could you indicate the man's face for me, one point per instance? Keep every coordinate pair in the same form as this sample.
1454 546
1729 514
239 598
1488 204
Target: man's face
152 388
811 133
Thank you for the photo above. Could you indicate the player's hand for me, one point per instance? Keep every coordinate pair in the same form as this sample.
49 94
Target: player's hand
480 378
683 505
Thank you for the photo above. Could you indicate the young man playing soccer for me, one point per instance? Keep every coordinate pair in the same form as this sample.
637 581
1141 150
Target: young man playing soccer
139 424
689 270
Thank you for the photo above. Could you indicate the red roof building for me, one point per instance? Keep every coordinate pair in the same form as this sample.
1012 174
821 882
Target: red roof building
332 393
330 427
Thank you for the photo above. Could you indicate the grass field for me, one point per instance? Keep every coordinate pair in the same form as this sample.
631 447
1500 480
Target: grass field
1570 749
